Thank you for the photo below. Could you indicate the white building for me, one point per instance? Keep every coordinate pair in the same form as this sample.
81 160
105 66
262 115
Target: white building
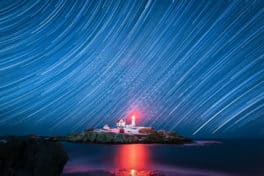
133 123
121 123
106 127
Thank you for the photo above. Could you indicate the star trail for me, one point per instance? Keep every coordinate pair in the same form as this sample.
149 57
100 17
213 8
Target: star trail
195 67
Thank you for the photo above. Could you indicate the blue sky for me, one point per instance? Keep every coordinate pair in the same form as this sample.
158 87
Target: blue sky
195 67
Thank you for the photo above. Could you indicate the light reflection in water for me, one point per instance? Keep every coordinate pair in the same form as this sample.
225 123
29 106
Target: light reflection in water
133 172
132 157
134 160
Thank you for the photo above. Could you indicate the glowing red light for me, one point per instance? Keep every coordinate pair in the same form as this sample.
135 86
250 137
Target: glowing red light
135 115
133 172
133 157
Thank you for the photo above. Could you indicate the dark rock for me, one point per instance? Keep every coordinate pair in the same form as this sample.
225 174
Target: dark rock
119 138
25 156
104 137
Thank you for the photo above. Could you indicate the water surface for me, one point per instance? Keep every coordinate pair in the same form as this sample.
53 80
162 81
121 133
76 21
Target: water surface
222 158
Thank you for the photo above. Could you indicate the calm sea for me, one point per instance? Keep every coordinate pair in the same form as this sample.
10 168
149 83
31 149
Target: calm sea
217 158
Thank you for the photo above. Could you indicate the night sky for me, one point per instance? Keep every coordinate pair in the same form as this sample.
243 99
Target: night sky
195 67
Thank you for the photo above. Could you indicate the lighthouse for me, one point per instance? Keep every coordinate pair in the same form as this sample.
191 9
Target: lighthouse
133 124
122 127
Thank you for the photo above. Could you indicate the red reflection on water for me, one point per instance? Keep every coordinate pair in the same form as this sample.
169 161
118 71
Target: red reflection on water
133 157
133 172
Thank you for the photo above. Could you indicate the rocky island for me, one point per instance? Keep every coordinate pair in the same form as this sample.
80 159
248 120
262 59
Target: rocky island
124 134
148 136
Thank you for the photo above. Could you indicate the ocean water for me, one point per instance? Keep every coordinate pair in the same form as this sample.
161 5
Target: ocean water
203 158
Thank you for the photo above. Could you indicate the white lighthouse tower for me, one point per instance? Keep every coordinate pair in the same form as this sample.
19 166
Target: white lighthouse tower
133 124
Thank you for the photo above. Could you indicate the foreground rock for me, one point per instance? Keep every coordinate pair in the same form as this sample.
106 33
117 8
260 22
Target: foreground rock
27 156
151 137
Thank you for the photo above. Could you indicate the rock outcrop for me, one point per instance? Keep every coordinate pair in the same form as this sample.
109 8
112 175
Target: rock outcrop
31 156
157 137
